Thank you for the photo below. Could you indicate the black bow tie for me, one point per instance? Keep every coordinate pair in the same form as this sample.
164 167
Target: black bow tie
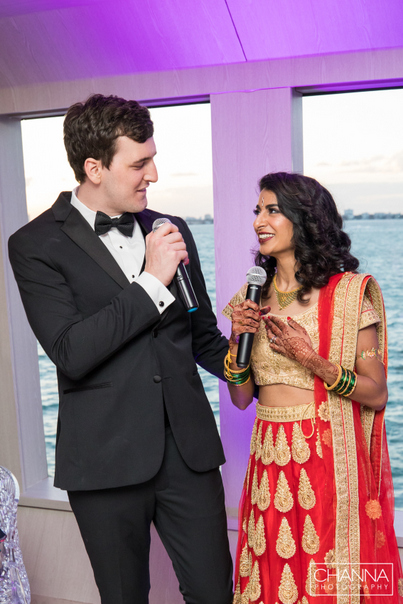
125 223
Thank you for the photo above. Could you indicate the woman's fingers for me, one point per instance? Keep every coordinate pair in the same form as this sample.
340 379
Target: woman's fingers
294 325
265 310
245 318
278 323
274 327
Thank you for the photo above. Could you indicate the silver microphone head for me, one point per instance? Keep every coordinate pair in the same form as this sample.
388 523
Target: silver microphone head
159 222
256 276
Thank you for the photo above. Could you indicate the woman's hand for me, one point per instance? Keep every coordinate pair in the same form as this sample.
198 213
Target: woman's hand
246 318
289 339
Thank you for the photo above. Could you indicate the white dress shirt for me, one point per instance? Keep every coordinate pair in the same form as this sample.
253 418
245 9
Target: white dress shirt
129 254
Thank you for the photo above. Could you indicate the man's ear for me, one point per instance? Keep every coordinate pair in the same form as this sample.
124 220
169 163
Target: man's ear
93 170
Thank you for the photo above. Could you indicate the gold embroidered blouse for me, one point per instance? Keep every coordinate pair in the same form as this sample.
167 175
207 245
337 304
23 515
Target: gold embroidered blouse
270 367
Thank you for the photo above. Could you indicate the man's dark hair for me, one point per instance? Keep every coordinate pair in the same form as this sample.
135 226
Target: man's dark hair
92 128
322 248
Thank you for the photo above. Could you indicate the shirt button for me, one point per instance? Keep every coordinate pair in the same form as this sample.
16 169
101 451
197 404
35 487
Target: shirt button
161 303
157 379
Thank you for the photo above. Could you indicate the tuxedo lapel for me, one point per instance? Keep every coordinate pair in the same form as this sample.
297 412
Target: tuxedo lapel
145 220
79 231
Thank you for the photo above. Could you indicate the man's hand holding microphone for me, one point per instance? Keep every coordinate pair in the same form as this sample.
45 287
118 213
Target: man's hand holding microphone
166 257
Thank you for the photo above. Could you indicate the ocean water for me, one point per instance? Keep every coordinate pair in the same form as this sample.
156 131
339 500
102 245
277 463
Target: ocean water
378 244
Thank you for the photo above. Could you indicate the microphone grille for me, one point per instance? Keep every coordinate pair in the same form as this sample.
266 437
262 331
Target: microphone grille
159 222
256 275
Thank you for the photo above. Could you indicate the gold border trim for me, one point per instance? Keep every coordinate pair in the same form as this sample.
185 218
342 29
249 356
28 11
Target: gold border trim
347 306
285 414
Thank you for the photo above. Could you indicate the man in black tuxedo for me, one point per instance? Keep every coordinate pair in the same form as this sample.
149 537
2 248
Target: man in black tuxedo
136 437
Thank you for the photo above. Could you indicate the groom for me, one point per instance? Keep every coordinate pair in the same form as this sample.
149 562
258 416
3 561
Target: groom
136 438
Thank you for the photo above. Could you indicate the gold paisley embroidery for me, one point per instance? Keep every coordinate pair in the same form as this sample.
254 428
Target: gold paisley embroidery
306 495
400 587
268 447
323 411
245 596
287 592
244 526
244 562
318 445
327 437
310 584
304 600
373 509
254 587
282 453
330 558
251 530
300 449
285 544
283 499
263 499
253 438
310 538
259 546
255 488
258 451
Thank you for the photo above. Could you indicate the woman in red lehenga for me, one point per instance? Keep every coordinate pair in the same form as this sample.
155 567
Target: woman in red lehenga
316 512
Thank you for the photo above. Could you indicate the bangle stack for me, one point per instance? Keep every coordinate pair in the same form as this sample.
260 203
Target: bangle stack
345 383
236 378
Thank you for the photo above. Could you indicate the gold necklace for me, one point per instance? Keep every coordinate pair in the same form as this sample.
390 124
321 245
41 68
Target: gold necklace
284 299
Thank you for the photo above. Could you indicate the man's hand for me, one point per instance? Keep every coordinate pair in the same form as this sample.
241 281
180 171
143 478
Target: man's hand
165 248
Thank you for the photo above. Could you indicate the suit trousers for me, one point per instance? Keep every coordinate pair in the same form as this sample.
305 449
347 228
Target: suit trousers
188 511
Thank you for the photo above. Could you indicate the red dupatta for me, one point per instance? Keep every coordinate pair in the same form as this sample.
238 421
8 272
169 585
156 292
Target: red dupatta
360 511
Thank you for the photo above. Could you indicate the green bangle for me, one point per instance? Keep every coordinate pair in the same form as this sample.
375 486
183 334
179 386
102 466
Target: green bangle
344 388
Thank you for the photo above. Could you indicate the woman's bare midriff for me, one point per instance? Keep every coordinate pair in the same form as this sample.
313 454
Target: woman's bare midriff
281 395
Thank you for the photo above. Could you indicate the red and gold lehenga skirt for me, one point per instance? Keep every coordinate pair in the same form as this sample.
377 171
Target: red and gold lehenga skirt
281 520
316 512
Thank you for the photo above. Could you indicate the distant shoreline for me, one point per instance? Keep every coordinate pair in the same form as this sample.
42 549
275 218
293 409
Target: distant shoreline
349 215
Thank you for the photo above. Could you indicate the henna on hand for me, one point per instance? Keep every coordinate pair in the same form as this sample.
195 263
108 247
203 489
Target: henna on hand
291 339
246 318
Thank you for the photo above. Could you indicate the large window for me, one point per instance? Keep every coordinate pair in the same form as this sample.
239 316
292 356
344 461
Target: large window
353 144
184 162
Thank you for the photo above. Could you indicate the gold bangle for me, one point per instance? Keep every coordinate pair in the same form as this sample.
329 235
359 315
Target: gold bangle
227 362
333 386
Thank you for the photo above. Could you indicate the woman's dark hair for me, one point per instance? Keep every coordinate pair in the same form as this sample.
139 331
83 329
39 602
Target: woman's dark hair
322 248
92 128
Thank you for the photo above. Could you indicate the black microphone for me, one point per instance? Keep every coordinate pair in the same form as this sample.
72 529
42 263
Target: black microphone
256 277
182 278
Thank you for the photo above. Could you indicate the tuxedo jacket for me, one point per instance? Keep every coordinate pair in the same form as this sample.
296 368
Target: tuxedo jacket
119 361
